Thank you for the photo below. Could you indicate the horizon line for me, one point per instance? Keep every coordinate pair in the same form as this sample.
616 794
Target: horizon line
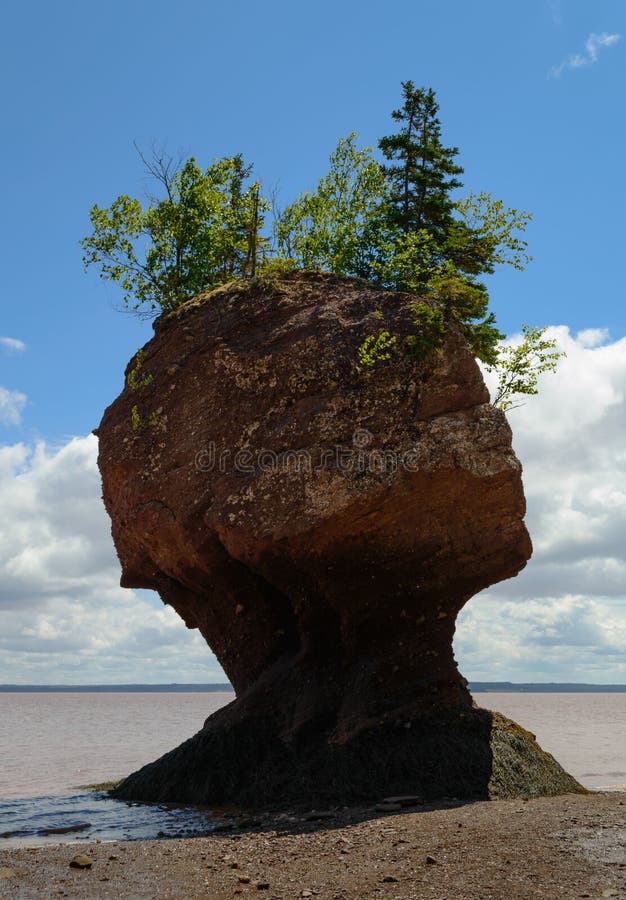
199 687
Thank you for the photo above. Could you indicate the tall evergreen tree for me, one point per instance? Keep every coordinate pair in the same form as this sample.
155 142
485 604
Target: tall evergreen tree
422 171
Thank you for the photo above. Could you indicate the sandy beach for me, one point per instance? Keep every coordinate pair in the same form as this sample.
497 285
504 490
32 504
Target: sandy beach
568 846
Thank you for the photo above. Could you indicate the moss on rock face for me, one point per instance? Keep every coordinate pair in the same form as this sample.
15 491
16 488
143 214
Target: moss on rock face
521 768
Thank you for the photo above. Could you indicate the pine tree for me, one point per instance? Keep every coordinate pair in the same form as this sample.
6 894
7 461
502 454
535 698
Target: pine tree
423 171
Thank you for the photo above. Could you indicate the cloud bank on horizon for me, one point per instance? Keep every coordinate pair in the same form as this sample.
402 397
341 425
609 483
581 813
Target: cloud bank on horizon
64 618
593 45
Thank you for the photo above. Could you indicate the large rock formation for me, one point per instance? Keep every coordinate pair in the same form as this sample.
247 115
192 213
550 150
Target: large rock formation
321 523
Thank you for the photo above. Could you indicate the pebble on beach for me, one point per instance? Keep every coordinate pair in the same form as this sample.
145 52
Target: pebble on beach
81 862
6 872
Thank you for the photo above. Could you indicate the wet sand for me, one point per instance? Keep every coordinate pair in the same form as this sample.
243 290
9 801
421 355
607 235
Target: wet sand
569 846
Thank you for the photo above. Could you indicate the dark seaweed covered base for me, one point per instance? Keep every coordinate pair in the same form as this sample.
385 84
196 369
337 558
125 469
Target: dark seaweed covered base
472 753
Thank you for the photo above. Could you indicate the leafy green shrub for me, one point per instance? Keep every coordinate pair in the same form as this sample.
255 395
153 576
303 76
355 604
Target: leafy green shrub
430 330
376 348
520 365
134 381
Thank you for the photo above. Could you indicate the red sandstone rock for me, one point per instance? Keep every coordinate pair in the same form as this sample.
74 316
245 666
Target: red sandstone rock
321 523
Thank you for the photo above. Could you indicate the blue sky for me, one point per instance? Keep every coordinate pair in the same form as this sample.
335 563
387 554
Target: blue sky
531 93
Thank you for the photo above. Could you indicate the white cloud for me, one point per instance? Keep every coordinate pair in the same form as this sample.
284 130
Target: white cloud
593 45
592 337
12 344
596 41
564 616
63 616
569 638
11 405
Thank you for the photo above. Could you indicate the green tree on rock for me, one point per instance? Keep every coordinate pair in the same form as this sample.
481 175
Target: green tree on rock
442 245
422 171
519 366
203 229
395 222
341 226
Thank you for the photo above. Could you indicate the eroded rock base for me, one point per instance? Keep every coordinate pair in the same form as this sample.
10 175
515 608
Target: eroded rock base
472 753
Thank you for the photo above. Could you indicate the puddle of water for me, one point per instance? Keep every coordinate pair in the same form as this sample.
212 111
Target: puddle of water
90 816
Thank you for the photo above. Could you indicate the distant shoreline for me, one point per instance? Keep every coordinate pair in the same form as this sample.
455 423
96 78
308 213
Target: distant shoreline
476 687
114 688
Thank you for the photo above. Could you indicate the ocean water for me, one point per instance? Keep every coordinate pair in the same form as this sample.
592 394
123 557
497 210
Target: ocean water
53 745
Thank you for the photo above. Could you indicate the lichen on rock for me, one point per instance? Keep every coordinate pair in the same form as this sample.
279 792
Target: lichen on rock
322 525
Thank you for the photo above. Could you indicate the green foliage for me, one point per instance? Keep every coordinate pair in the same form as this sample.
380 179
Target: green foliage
134 381
488 235
204 231
138 423
454 300
339 227
407 261
430 327
394 223
519 366
277 266
376 348
135 418
423 171
465 302
443 245
398 226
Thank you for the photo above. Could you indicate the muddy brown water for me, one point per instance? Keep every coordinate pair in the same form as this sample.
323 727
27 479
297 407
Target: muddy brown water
53 744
